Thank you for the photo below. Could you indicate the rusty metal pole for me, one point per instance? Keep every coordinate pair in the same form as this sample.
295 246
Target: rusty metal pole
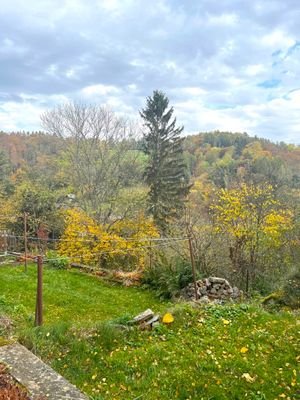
25 241
193 268
39 293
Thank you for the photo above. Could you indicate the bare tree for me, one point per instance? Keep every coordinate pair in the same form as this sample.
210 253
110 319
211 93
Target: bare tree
99 147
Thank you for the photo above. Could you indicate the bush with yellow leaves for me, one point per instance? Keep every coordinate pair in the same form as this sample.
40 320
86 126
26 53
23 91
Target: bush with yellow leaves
122 246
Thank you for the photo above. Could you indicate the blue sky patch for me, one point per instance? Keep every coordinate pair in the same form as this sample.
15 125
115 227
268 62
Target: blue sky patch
270 83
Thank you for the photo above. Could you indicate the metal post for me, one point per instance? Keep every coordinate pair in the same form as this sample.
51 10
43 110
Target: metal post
39 293
193 268
25 241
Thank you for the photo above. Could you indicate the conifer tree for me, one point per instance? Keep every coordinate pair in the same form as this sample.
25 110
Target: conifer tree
165 173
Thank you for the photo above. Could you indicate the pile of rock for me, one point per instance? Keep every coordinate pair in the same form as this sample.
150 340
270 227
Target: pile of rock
211 288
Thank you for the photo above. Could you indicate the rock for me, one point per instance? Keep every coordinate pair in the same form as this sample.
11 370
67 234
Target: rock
214 279
203 290
204 300
235 292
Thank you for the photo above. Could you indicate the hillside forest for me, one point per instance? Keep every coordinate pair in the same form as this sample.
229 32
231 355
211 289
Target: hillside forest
94 193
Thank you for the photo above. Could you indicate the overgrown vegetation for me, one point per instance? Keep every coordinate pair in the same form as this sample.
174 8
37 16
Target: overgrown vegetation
168 276
242 211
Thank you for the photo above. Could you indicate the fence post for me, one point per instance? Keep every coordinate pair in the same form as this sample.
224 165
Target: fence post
25 241
193 267
150 255
5 242
39 293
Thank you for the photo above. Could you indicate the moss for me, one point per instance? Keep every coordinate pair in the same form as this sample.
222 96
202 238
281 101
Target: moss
276 297
4 341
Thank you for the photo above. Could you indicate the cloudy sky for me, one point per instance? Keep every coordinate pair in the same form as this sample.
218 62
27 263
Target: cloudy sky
225 64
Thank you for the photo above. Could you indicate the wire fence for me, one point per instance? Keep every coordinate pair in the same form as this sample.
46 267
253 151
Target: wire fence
11 242
145 243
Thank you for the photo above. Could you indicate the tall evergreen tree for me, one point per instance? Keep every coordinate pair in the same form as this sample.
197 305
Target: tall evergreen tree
165 173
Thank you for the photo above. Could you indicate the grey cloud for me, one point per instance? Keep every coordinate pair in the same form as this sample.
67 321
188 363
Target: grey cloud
63 47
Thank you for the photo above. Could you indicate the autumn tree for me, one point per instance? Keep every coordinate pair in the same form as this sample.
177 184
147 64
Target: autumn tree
166 171
254 222
99 154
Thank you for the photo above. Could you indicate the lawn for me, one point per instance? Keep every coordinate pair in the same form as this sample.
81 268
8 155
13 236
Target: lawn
72 296
214 352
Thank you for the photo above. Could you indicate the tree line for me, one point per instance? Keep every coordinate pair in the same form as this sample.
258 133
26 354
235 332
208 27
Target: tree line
237 196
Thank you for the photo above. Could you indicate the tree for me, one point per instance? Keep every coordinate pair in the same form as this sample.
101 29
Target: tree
98 152
5 170
256 224
166 171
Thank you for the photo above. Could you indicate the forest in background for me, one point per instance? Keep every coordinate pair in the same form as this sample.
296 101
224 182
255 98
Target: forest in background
242 211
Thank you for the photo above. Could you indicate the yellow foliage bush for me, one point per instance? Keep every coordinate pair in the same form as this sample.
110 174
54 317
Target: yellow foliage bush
120 246
250 212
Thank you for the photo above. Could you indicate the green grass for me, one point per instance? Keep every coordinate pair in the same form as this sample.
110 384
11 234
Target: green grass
72 296
197 357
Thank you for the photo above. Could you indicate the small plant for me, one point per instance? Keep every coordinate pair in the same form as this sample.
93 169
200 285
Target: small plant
168 277
54 260
257 396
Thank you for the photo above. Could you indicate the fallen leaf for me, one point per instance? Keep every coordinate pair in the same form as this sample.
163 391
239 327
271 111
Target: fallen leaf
244 350
248 377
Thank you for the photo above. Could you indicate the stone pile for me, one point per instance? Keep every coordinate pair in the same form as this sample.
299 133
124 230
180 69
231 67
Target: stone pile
211 288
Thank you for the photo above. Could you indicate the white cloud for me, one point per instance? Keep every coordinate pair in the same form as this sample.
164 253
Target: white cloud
99 90
20 116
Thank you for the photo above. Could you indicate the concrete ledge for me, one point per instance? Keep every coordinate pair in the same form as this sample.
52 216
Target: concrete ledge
37 377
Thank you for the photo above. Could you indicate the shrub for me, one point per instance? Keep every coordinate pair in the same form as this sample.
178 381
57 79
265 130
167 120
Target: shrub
56 261
168 277
291 291
288 296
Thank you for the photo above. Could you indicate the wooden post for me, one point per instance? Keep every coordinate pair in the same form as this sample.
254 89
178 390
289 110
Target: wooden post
39 293
25 241
193 267
5 242
150 254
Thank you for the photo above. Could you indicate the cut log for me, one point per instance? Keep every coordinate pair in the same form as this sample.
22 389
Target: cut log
144 316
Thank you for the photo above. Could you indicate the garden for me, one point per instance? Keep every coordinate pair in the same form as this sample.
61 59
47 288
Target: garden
235 350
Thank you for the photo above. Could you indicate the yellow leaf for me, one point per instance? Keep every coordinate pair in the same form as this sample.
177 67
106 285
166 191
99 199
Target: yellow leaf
244 350
225 321
168 318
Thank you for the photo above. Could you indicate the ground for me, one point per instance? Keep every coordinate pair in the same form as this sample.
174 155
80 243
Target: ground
213 352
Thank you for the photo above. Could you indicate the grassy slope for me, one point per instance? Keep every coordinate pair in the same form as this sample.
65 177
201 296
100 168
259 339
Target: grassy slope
198 357
71 296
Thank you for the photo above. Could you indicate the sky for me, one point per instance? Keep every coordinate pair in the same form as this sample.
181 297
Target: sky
229 65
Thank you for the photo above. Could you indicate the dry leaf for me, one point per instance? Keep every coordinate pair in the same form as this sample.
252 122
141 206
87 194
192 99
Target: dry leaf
248 377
